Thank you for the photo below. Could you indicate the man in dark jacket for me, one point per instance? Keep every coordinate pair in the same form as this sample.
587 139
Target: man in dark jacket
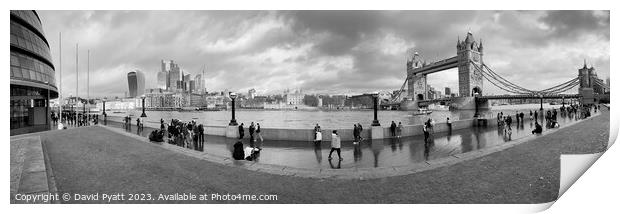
393 129
201 135
251 129
241 131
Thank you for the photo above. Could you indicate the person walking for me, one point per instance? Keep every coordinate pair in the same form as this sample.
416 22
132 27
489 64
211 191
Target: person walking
201 136
335 145
241 131
449 123
426 132
258 135
355 133
359 127
393 129
251 129
196 132
138 125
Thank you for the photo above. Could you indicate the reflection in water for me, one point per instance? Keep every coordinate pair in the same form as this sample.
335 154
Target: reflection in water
377 146
357 152
439 145
428 145
393 144
317 152
466 141
331 164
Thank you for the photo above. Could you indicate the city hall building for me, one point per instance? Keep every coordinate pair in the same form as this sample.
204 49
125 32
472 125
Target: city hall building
32 74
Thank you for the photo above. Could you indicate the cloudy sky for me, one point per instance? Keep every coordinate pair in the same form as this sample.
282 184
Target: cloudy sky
321 51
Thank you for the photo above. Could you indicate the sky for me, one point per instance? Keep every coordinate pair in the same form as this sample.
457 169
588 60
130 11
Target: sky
335 52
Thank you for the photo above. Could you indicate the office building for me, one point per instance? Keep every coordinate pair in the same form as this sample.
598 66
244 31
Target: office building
135 80
33 80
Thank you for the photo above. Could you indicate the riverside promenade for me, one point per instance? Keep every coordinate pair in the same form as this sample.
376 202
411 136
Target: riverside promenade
90 160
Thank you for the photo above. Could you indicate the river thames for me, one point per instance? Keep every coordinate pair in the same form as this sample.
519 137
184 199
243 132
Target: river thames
331 119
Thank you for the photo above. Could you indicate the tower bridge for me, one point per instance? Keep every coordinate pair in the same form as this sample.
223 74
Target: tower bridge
472 71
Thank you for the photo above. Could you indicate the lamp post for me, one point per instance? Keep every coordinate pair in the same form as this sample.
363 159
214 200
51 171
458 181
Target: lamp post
541 102
233 121
47 105
562 101
104 114
375 97
143 113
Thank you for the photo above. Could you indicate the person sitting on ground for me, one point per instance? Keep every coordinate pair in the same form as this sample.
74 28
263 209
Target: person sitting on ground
156 136
251 153
554 124
538 129
238 153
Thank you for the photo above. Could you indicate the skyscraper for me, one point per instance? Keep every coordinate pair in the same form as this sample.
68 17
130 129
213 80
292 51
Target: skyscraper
186 79
192 86
198 83
135 80
174 74
162 80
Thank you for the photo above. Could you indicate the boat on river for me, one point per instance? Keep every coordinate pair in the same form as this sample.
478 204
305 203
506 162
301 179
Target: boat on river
422 112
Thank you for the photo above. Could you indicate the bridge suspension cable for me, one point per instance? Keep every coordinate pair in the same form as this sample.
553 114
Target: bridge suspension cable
400 92
508 86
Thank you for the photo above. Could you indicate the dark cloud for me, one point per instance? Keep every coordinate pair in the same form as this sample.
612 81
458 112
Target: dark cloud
567 23
322 51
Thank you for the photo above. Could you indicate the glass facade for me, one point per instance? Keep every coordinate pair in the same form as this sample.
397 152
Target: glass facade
33 79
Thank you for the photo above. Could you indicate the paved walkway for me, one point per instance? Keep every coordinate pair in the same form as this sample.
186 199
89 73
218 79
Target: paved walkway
98 160
28 171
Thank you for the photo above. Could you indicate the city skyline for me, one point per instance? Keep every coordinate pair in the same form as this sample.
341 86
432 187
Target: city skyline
335 52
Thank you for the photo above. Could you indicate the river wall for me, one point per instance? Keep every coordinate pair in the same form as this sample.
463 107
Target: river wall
345 134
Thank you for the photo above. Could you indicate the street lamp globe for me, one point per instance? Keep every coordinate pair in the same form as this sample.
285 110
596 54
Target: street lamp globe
232 95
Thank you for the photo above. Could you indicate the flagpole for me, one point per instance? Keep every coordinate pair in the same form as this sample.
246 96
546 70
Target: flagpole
60 70
77 79
88 80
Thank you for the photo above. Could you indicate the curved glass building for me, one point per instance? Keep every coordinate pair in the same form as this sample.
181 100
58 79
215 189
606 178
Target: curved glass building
33 80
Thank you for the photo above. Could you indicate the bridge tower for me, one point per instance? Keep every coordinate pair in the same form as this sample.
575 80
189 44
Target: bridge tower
470 79
586 85
416 85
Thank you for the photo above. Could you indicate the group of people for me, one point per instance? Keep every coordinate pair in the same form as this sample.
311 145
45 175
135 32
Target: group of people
127 124
396 131
254 131
74 119
428 128
335 141
357 133
188 135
